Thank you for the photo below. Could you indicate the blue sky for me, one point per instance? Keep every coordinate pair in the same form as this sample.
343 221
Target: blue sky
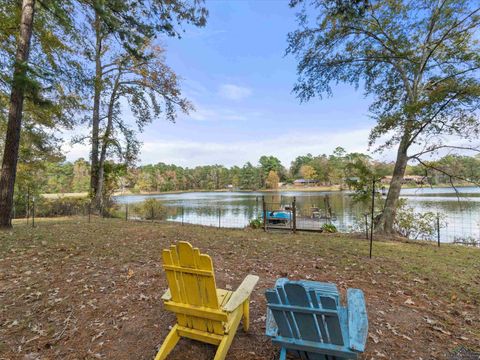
235 73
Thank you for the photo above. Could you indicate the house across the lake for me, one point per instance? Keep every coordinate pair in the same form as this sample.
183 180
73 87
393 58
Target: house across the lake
304 182
417 179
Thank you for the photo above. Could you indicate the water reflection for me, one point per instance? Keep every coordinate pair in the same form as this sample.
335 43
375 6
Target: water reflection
236 209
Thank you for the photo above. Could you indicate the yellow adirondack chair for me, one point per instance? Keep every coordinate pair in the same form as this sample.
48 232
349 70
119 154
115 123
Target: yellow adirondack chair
204 313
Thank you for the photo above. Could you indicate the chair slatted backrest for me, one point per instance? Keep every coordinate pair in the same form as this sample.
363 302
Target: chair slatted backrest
300 313
191 281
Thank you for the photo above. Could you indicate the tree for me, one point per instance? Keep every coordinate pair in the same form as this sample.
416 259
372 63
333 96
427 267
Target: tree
38 87
298 162
81 176
12 139
249 177
125 26
272 180
418 59
307 172
322 168
151 89
269 163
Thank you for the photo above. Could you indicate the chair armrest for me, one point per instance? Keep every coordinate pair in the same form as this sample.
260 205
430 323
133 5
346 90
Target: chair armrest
242 293
357 319
167 296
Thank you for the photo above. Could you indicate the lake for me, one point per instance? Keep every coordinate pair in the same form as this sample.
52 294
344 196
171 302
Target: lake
460 210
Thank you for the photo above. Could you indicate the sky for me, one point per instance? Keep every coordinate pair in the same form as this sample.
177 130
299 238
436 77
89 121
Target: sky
240 82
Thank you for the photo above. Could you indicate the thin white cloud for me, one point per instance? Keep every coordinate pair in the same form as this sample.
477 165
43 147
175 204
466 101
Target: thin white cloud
234 92
286 148
220 114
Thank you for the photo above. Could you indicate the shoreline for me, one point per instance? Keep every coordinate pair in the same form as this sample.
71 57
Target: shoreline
332 188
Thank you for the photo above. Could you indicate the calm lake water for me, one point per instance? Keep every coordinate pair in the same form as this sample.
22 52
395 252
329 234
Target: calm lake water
461 211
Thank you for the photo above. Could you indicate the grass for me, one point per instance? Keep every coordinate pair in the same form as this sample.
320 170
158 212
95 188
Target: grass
70 289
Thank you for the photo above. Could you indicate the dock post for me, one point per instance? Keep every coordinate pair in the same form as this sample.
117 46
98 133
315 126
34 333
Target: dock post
264 210
294 214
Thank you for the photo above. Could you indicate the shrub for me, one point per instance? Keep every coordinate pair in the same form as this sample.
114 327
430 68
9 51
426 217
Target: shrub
413 225
151 209
329 228
61 206
256 223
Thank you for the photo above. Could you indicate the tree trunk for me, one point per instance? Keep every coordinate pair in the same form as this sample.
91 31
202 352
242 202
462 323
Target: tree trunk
105 142
12 138
387 219
96 106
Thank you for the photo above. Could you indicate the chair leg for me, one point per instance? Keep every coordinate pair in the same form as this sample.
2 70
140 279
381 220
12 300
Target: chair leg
168 344
228 338
283 354
246 315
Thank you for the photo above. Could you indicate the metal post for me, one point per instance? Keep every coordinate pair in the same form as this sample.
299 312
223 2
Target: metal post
264 210
126 212
152 213
183 214
366 225
373 210
28 205
294 214
33 211
438 229
219 216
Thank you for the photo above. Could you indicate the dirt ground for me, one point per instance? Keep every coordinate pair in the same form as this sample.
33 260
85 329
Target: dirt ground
76 290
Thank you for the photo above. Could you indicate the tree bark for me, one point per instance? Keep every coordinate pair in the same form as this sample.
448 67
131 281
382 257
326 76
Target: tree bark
96 106
387 219
17 95
106 138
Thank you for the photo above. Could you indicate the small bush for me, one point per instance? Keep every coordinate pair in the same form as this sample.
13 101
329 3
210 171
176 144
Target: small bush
151 209
62 206
329 228
413 225
256 223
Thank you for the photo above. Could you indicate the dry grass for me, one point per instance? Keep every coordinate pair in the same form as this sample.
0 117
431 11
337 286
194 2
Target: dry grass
76 290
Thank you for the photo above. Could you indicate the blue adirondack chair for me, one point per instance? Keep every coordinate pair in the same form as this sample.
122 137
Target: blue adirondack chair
306 319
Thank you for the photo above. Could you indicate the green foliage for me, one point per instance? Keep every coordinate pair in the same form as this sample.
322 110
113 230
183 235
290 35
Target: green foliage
360 176
271 163
413 225
255 223
354 170
250 177
298 163
62 206
150 209
50 207
329 228
418 60
129 69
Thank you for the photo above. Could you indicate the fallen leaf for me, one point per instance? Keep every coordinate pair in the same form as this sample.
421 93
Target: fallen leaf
409 301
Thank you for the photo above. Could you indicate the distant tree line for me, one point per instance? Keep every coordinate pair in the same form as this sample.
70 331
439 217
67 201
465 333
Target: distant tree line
347 170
